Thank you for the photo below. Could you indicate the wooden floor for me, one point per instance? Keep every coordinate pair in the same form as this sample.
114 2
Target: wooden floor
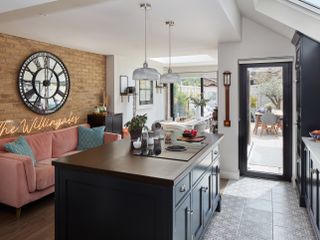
36 221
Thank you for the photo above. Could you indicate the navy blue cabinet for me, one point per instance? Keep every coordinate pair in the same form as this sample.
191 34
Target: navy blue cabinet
312 184
182 221
307 90
92 203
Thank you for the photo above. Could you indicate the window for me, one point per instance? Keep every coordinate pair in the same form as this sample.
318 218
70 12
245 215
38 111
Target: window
145 92
196 87
311 5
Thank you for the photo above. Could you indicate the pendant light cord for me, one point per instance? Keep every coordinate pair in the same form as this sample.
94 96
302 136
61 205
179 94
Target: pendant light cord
145 34
169 46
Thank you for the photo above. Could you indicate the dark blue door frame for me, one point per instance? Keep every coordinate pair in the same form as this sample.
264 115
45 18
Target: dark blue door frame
244 126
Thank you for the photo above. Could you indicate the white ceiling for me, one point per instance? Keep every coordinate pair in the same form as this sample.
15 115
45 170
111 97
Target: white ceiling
11 5
248 9
116 26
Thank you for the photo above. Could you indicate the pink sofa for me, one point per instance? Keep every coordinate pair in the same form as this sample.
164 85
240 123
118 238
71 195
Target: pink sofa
20 181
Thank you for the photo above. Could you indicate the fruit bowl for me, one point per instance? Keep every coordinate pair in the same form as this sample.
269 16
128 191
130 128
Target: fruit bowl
190 133
315 135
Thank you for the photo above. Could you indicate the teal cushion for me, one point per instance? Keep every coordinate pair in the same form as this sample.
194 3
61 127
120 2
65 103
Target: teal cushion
21 147
90 137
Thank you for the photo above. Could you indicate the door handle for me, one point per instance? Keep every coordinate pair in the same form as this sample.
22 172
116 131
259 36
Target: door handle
190 211
182 188
204 189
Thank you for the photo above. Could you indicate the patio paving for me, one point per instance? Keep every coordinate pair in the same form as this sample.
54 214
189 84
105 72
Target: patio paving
266 153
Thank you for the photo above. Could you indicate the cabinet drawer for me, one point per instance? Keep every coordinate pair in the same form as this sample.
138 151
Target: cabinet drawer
215 152
201 167
182 188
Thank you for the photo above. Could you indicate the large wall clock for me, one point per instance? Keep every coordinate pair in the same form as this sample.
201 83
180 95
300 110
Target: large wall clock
44 83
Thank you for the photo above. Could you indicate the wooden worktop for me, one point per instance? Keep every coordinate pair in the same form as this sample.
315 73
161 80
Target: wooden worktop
115 159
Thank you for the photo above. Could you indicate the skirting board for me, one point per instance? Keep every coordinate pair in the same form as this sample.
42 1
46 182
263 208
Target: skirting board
230 175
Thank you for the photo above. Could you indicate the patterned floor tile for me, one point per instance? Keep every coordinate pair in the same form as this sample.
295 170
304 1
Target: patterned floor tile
258 204
250 228
285 220
257 216
281 233
258 209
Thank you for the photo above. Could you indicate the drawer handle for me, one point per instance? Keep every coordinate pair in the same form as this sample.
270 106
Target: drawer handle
189 211
182 188
215 152
205 189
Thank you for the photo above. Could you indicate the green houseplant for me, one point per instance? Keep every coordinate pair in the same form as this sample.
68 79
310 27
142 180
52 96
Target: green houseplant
135 125
198 102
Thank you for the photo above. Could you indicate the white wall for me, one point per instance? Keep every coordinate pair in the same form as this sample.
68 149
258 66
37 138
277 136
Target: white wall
123 65
257 42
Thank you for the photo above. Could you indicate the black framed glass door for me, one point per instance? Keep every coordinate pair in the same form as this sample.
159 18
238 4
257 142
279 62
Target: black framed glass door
265 125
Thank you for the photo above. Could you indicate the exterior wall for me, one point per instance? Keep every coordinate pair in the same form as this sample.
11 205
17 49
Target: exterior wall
257 42
87 77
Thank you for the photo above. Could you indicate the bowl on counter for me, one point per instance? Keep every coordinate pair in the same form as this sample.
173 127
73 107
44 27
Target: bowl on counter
190 133
315 135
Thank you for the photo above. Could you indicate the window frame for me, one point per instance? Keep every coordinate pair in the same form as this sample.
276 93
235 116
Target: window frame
172 98
149 89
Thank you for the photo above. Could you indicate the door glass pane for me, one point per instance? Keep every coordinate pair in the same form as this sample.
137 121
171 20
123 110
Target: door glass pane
265 137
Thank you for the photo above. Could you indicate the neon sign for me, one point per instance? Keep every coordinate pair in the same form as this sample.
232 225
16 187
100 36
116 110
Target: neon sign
9 127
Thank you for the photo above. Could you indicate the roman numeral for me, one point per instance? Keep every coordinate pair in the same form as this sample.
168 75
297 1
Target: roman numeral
29 70
60 73
46 104
30 93
61 93
37 101
27 81
55 100
37 63
46 61
54 66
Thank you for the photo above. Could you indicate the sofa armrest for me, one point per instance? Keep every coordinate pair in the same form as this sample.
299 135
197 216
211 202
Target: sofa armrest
15 169
111 137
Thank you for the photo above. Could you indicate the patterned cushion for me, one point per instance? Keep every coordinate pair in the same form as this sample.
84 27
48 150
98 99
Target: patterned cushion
21 147
90 137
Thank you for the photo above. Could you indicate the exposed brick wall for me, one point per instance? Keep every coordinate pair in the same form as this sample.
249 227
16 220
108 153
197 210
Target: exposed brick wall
87 77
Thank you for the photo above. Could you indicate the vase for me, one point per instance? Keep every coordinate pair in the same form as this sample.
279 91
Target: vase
198 113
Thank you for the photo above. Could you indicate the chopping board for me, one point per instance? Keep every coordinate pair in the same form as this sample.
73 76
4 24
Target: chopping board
194 139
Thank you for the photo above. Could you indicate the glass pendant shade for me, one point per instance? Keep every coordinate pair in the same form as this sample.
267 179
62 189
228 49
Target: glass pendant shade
146 73
170 77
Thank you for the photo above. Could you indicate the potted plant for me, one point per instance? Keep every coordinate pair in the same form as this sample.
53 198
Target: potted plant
135 125
199 102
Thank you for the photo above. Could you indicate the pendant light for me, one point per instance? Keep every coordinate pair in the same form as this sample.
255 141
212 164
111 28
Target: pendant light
145 73
170 77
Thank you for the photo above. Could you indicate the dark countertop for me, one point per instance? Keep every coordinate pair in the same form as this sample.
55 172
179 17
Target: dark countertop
115 159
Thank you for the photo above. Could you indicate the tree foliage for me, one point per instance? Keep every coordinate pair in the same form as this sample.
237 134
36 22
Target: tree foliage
270 81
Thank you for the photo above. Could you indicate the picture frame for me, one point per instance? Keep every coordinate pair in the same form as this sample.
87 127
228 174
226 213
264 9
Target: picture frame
124 81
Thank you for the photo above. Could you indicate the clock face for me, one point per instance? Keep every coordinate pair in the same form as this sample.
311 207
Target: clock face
44 83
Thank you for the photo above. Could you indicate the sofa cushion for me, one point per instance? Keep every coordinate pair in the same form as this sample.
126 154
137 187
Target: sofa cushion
44 176
3 141
41 145
65 140
90 137
21 147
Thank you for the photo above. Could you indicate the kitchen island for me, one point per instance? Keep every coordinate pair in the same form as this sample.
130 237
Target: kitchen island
109 193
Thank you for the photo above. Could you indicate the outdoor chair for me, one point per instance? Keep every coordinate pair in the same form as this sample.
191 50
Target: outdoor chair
269 123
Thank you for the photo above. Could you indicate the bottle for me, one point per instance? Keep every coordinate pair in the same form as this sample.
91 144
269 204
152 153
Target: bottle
144 138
